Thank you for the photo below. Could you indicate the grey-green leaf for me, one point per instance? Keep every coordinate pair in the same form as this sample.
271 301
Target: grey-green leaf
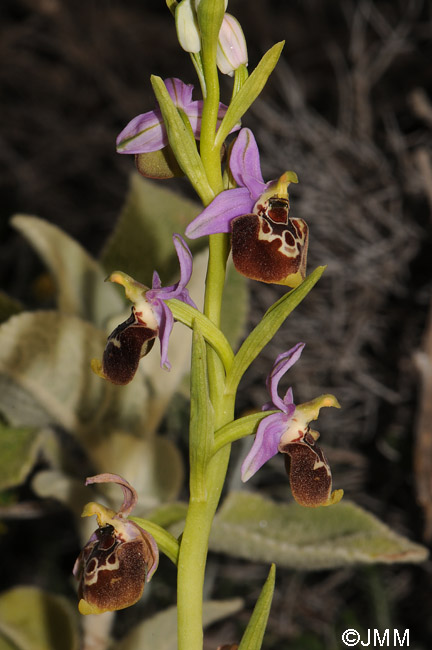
253 527
160 632
254 633
79 278
45 377
19 449
153 465
31 619
142 239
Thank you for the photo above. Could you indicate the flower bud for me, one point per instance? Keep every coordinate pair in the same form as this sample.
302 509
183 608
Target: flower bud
231 48
161 164
118 559
188 32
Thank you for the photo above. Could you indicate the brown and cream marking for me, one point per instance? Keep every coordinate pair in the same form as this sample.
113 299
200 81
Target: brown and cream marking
113 572
118 559
305 462
270 246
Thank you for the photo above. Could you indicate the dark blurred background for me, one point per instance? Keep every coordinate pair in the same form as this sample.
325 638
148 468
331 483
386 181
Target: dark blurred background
349 109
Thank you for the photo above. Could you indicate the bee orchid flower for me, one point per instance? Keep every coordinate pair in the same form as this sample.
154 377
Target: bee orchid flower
288 432
267 244
150 318
118 559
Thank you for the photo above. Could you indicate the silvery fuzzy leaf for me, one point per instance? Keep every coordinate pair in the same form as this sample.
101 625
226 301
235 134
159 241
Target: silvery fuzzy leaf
142 239
46 379
19 448
79 278
255 528
32 619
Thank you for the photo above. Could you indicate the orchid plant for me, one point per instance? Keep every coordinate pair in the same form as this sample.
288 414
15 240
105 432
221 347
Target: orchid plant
60 373
250 217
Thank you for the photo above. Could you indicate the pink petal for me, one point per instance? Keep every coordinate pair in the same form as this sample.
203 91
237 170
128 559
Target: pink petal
165 321
143 134
130 496
282 364
217 216
245 164
180 93
265 445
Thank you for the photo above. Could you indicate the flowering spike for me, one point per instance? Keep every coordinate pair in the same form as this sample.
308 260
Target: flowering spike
118 559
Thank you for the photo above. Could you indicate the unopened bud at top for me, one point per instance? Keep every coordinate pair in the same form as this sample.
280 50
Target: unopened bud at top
231 49
187 28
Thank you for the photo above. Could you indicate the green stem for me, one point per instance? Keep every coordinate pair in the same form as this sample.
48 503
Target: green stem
210 15
195 539
190 578
194 543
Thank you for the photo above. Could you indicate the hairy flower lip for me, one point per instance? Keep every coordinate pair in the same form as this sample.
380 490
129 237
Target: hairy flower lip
119 557
267 244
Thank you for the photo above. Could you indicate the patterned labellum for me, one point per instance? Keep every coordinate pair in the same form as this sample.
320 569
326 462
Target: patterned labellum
309 472
111 572
126 345
269 246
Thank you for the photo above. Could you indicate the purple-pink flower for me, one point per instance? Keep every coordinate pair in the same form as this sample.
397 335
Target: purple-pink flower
288 432
272 428
150 318
267 244
245 167
147 132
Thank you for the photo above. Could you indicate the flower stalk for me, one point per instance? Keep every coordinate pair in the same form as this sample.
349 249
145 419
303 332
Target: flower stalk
249 217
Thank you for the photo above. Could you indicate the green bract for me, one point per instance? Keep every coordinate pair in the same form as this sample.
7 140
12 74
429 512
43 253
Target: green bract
249 91
182 141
